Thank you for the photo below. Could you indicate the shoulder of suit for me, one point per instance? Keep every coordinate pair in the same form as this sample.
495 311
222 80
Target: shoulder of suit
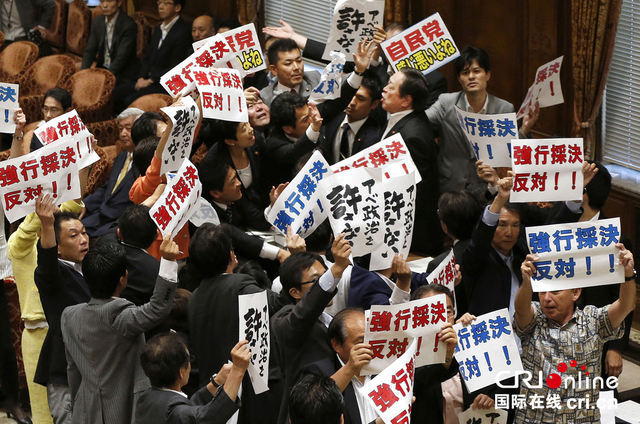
499 105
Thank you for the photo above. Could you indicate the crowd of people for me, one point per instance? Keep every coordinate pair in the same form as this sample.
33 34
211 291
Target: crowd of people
120 323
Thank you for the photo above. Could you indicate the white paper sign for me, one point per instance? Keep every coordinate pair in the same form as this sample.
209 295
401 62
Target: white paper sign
353 21
391 328
179 200
445 273
391 391
547 170
244 43
490 135
53 169
222 94
579 254
185 119
8 104
546 89
483 416
300 205
330 81
204 212
254 327
486 348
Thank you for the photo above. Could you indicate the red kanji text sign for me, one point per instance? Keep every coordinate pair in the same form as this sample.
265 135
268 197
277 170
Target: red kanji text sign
222 94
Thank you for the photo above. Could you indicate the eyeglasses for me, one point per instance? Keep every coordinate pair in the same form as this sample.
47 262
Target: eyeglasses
165 3
51 110
315 280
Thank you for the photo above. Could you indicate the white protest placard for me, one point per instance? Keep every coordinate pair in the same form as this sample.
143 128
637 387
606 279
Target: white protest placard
490 135
546 89
426 46
392 327
300 205
185 118
53 169
8 104
391 391
390 154
445 273
487 350
69 127
330 81
222 94
483 416
547 170
244 43
179 200
398 208
353 21
579 254
352 199
254 328
204 213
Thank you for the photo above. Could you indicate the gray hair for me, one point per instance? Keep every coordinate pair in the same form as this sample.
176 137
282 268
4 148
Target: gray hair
132 111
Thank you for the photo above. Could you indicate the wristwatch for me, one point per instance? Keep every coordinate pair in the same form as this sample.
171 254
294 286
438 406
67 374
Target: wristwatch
633 277
213 380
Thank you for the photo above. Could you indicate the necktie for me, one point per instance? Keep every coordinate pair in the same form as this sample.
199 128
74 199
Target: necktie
344 142
293 90
229 214
123 172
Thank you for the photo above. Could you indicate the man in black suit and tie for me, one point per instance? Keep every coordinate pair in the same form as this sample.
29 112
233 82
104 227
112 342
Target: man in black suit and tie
112 43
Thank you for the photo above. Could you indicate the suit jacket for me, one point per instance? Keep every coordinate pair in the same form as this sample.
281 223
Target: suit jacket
33 13
418 136
456 161
368 135
124 62
368 288
460 294
103 207
161 406
59 286
282 155
104 339
309 81
174 49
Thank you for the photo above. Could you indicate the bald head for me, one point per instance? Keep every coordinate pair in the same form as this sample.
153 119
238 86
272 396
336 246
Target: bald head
202 28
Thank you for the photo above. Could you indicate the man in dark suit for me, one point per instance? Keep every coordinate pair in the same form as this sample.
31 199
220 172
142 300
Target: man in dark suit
112 43
167 362
104 206
404 98
18 17
299 331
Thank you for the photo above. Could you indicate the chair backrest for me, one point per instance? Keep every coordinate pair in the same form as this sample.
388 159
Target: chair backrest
1 39
17 57
90 87
46 73
144 35
152 102
78 27
56 34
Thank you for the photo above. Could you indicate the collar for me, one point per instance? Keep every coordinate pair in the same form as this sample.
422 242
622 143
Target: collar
596 216
468 107
394 118
506 259
174 391
167 27
279 89
132 246
355 125
221 205
73 265
577 316
114 19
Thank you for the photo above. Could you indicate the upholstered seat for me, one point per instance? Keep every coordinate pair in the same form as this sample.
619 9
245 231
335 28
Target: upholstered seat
106 132
99 173
91 91
78 28
152 102
1 39
15 59
144 35
56 34
46 73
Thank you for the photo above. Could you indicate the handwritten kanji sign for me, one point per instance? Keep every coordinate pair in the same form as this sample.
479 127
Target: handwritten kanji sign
426 46
580 254
179 200
547 170
300 205
244 44
222 94
445 273
204 212
69 127
483 416
330 80
53 169
8 104
185 118
490 135
391 391
353 21
486 348
254 328
391 328
546 89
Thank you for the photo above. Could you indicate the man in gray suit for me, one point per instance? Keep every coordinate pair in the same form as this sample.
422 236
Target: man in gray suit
456 159
285 62
104 337
18 17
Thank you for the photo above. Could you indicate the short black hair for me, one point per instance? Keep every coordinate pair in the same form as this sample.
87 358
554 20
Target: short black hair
468 55
136 226
102 268
514 208
599 187
59 218
146 125
162 358
397 26
292 268
143 153
61 95
281 45
416 86
459 210
231 23
337 330
213 172
180 3
320 238
372 83
316 399
255 271
421 291
223 130
210 250
283 109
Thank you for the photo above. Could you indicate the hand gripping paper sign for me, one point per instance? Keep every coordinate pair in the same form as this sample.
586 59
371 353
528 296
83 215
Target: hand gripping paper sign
244 43
490 135
391 391
546 89
580 254
179 200
391 328
8 104
222 94
547 170
254 328
300 205
330 81
185 118
52 169
426 46
483 416
353 21
487 350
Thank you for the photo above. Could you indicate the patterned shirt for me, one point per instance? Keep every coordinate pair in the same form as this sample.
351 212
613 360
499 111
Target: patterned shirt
545 344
